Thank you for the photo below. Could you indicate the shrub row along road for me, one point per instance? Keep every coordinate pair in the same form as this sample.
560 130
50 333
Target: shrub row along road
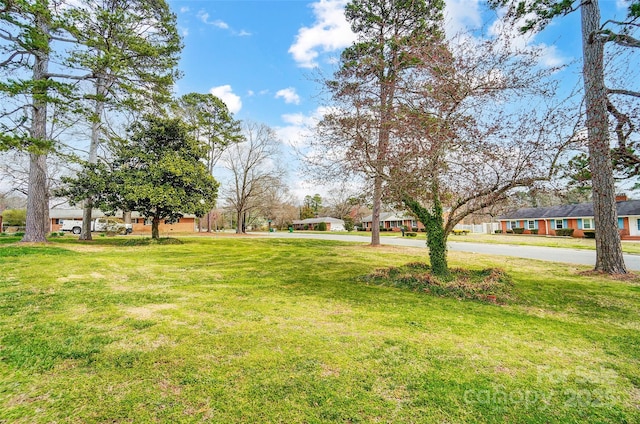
552 254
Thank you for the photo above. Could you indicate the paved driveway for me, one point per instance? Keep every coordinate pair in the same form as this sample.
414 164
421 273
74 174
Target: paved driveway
552 254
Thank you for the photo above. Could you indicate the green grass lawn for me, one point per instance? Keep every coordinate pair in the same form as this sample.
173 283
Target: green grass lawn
252 330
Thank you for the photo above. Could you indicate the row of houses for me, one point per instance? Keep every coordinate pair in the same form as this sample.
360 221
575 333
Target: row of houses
579 217
542 221
188 223
392 221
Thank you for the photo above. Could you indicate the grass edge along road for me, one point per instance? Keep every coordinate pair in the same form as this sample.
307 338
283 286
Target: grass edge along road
628 246
272 330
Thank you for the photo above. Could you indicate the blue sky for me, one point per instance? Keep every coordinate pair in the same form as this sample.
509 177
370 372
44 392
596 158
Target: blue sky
260 56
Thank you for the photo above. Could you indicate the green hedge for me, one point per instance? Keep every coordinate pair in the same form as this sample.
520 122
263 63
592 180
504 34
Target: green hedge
411 234
535 231
498 231
589 234
322 226
564 232
518 230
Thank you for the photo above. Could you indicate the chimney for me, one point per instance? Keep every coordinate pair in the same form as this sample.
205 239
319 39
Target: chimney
621 197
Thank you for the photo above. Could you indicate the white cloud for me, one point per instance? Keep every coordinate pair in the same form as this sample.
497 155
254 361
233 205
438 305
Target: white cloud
204 17
330 32
511 37
226 94
184 32
460 15
299 127
218 23
184 9
289 95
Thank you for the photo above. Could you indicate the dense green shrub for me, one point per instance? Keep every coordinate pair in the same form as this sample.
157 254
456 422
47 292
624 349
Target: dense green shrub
518 230
534 231
348 223
498 231
564 232
509 231
589 234
411 234
322 226
14 217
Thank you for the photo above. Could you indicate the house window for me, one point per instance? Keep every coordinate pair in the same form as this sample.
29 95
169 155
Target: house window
56 221
587 224
393 224
513 224
559 224
531 225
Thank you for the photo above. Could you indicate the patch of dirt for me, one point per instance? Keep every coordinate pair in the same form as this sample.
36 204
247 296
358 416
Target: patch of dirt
76 277
630 276
147 311
82 247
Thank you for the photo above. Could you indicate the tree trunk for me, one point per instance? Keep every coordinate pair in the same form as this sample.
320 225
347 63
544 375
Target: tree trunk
96 125
375 215
437 240
609 257
239 222
155 228
37 197
35 230
85 233
436 234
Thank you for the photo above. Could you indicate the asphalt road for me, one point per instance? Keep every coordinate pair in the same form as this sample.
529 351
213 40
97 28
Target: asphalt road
551 254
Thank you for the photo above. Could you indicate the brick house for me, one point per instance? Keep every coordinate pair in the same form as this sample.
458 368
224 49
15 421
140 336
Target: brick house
579 217
393 221
141 225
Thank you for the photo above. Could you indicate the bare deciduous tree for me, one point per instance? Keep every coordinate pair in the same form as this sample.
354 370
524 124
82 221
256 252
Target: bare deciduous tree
254 170
366 85
466 135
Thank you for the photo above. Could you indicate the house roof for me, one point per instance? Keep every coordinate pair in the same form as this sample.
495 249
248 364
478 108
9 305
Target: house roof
319 220
580 210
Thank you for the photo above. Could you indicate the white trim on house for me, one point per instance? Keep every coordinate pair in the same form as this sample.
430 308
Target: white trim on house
634 225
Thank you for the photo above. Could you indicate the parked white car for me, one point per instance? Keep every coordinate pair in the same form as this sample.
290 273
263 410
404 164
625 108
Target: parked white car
105 224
